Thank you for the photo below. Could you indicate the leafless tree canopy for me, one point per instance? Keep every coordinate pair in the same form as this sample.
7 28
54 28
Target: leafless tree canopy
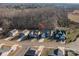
32 18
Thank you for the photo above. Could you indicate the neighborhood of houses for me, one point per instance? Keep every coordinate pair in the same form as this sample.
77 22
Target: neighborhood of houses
58 35
8 48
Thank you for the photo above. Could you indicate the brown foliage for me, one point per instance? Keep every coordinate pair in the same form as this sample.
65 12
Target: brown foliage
31 18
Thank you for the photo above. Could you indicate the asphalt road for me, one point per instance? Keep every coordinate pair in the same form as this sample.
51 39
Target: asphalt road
27 43
53 44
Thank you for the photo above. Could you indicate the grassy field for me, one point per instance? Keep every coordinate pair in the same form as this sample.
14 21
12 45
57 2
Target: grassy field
71 35
46 51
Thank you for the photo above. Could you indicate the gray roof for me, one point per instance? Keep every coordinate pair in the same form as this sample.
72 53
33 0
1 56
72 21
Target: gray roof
56 52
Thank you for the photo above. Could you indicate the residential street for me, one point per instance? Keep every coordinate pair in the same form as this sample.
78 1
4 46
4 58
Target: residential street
27 43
